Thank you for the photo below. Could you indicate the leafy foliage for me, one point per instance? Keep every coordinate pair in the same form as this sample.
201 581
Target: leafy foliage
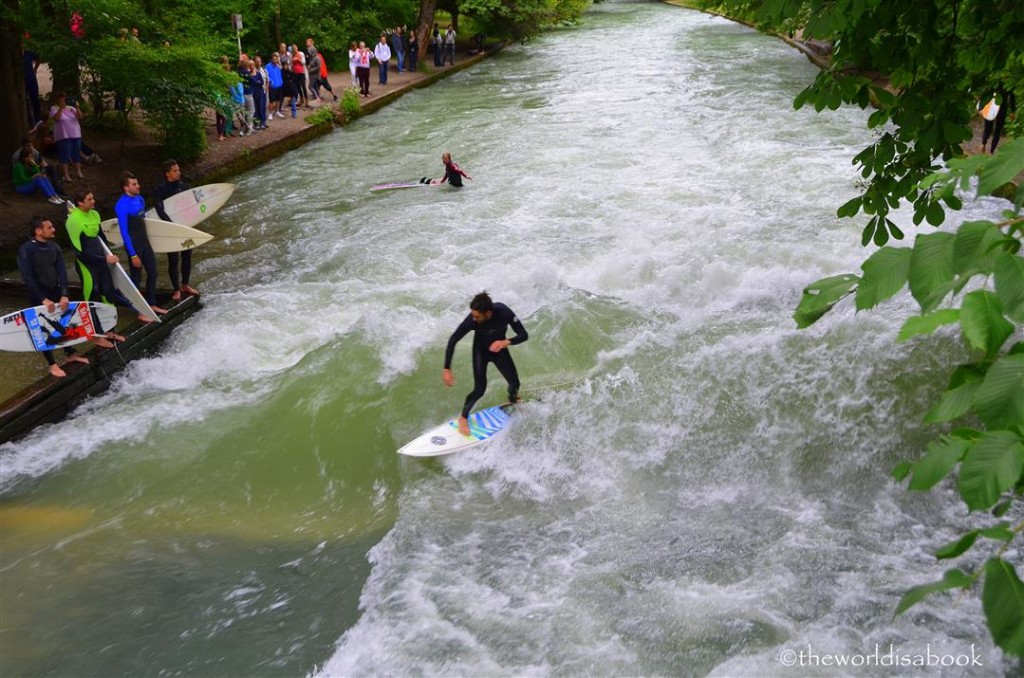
938 58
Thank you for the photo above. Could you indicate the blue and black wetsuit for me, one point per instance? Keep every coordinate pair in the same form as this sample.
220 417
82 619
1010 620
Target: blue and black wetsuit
491 330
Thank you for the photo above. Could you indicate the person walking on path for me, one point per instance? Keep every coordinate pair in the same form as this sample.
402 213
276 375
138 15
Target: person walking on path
46 279
383 54
131 219
173 185
489 320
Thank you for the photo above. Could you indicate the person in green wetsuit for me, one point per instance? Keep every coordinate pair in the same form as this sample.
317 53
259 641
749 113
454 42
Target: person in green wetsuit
93 262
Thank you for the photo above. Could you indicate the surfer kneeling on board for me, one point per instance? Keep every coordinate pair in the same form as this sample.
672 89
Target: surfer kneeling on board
452 173
489 320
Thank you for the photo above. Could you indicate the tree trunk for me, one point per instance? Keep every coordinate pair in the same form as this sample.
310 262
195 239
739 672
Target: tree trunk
425 23
14 105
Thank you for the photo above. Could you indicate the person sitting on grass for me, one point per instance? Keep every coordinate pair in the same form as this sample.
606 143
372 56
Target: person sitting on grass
28 178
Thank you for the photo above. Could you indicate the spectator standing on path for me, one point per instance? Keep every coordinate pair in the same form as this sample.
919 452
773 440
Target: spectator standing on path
994 128
398 47
449 46
382 53
248 103
412 46
363 69
173 185
275 86
28 178
67 133
131 219
46 279
289 86
259 91
313 60
301 77
353 62
31 62
437 40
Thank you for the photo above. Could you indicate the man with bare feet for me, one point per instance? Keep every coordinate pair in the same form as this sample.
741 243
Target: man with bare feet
131 219
42 267
172 185
489 320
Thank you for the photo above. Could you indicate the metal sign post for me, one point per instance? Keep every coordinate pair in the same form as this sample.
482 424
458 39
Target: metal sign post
236 22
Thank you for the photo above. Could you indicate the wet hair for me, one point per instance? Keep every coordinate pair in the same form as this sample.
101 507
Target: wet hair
125 178
482 303
169 163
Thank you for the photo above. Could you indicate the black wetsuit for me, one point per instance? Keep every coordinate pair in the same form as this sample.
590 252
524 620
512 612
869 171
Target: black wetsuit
491 330
453 175
165 190
42 268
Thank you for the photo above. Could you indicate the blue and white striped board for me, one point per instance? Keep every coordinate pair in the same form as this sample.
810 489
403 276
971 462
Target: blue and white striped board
484 426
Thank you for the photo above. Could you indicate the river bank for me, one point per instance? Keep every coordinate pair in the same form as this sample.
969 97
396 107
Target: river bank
140 151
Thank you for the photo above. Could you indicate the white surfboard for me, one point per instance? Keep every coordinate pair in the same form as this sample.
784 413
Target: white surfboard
164 236
36 329
484 426
193 206
123 283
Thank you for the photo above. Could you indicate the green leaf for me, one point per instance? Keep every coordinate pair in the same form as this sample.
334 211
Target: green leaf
885 274
927 323
958 547
902 470
1000 400
952 579
850 207
955 402
1007 163
937 462
982 321
1002 598
931 269
1009 277
973 247
935 215
819 298
1001 532
991 466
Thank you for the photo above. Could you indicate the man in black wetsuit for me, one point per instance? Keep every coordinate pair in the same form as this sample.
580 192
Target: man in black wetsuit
490 320
172 185
42 267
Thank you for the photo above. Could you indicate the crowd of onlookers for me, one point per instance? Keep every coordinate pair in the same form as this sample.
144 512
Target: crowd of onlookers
289 79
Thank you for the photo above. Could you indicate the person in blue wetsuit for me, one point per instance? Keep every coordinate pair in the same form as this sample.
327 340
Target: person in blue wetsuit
131 215
490 320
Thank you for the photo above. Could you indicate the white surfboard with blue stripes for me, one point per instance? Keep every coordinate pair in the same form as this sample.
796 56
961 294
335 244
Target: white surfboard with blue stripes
484 426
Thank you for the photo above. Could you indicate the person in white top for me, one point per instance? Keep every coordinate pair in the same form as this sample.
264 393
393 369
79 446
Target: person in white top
383 54
353 62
